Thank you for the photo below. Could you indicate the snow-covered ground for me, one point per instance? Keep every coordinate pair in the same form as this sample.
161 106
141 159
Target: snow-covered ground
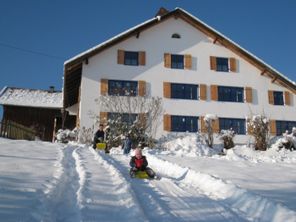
42 181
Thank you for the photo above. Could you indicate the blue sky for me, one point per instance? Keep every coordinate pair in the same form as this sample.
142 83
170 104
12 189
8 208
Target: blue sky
37 36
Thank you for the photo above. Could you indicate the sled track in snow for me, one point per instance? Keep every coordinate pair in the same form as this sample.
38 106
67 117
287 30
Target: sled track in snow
60 198
247 204
169 200
118 190
154 211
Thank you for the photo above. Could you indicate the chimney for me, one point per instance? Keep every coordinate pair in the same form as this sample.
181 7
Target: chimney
162 11
51 89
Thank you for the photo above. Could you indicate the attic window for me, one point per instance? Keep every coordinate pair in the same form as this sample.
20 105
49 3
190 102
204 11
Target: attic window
176 36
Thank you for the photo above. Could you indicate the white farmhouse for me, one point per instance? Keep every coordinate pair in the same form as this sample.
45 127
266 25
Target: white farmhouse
193 67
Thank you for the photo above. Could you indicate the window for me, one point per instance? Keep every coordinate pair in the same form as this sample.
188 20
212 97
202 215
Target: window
176 36
177 61
184 91
131 58
230 94
237 125
184 123
278 98
283 126
122 88
222 64
124 118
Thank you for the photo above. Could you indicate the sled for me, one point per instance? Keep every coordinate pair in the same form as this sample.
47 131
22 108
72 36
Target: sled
141 175
101 146
144 175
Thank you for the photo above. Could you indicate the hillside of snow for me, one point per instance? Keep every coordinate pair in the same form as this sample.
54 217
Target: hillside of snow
42 181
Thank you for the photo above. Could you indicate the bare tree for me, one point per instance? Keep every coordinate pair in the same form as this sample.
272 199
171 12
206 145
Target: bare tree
209 128
258 127
135 115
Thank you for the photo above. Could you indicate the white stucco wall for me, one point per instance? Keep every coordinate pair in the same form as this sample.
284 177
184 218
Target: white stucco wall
155 42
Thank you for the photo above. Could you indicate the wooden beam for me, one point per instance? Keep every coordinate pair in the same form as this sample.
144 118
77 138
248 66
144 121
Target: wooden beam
263 72
73 67
138 35
274 79
215 40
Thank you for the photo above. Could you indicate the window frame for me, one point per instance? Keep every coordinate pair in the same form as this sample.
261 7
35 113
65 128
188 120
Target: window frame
180 91
177 61
184 123
176 36
282 126
121 85
131 58
278 98
224 67
232 95
239 128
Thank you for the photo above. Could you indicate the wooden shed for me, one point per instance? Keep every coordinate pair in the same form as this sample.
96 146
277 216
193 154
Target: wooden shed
37 109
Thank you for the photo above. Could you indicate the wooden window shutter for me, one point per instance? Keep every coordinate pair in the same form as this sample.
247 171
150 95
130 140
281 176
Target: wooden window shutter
272 125
141 88
232 62
203 92
214 92
120 56
167 60
167 90
270 97
142 58
203 128
103 117
216 126
167 122
104 87
287 98
213 63
188 61
249 94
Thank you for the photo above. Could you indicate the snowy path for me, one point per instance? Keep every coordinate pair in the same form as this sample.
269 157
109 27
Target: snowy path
252 206
61 200
168 200
53 182
104 194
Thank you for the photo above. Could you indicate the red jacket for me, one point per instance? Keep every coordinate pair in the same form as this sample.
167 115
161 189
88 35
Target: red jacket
140 164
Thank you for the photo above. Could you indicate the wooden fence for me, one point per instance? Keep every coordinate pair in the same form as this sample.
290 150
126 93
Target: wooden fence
12 130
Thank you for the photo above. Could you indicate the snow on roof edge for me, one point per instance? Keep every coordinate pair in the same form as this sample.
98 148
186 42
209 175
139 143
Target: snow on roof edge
31 98
240 47
109 40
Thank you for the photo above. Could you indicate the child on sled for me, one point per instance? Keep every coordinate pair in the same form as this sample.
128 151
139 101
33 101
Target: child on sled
139 162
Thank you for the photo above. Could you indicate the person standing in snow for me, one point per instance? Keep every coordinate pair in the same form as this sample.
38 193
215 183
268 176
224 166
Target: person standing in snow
127 144
99 136
139 162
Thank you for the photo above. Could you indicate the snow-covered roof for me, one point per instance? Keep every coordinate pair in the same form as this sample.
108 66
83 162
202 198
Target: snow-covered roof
196 22
31 98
